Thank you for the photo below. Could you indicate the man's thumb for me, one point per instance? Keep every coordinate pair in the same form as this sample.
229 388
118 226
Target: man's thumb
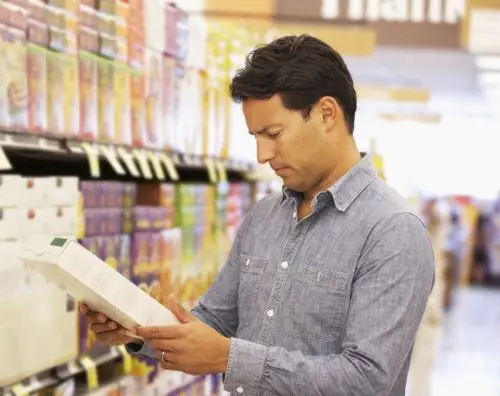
182 315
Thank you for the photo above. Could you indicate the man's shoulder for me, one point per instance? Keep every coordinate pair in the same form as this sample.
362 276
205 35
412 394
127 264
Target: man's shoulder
388 210
388 202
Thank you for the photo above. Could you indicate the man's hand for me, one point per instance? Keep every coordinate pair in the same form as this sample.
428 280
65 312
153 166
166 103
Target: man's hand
191 347
107 332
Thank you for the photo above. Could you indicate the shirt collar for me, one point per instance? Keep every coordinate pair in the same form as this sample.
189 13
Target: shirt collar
346 190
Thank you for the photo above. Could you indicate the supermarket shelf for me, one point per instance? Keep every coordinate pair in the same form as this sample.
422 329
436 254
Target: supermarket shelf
33 155
56 375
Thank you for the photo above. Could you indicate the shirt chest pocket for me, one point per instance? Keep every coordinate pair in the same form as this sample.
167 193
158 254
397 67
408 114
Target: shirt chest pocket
251 271
316 305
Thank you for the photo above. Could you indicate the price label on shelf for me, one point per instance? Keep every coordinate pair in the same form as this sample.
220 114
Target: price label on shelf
156 162
212 174
112 158
91 372
19 390
4 161
169 166
127 359
128 159
93 158
142 159
221 168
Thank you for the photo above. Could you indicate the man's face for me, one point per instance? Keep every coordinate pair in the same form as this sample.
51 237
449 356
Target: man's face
297 149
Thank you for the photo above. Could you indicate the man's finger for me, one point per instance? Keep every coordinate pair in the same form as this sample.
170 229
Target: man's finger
96 317
103 327
162 332
171 346
169 366
182 315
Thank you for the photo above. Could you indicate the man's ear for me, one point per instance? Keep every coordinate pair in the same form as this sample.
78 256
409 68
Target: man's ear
328 107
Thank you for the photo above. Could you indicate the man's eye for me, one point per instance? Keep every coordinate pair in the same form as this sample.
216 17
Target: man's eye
274 135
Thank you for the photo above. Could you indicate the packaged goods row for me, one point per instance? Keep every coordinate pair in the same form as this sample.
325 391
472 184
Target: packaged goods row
165 238
95 70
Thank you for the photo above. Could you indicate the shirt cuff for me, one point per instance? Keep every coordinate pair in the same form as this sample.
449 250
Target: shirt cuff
245 366
139 348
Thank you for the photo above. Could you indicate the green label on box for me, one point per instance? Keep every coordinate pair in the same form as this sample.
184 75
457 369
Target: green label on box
59 242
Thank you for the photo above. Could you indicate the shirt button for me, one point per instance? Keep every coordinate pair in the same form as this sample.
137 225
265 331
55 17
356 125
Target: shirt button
239 389
270 313
284 265
247 263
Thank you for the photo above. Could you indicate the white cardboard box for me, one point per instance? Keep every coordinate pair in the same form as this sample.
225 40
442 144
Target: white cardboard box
90 280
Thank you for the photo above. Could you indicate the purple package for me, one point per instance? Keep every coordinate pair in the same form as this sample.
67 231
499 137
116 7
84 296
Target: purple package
142 218
124 255
109 246
158 217
91 193
91 222
127 220
91 244
129 192
141 242
115 220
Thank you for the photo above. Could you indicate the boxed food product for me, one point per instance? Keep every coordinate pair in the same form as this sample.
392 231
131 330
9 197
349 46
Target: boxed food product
176 32
55 93
106 110
71 95
88 95
154 14
138 125
140 255
24 351
10 224
92 281
173 74
16 56
4 108
11 187
122 104
37 89
136 48
153 86
124 250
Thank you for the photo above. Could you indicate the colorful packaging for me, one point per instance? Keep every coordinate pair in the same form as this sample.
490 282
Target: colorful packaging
71 96
37 89
153 86
173 75
124 252
88 95
138 108
123 109
17 79
4 108
55 93
106 109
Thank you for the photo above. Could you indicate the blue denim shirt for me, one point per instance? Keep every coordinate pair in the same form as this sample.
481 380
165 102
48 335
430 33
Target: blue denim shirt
329 305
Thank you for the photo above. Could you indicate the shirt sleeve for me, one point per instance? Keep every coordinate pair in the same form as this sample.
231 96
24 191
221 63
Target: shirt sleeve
391 286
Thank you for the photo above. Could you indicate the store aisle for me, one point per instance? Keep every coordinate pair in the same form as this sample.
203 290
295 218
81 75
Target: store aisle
468 360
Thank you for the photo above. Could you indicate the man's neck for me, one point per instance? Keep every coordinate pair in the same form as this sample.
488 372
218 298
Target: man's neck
344 165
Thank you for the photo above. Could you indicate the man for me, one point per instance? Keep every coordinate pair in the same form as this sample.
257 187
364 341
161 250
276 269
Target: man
327 282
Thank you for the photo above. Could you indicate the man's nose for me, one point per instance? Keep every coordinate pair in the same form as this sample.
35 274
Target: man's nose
265 151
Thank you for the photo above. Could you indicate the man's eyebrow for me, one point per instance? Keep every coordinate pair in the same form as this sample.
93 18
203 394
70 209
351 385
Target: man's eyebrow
265 129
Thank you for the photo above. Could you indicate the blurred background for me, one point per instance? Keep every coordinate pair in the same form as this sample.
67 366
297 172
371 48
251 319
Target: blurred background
116 128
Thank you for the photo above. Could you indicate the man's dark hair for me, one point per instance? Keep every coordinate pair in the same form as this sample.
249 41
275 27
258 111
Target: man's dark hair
301 70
